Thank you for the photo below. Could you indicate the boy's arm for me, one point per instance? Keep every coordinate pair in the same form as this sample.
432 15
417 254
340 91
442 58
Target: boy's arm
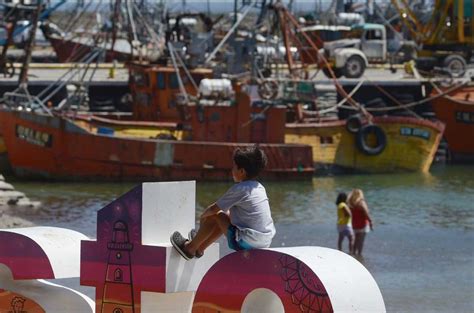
211 210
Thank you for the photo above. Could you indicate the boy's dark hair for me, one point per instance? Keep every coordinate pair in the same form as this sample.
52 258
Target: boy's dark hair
341 197
252 159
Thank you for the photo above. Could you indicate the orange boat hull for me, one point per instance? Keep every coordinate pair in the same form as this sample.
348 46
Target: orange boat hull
54 147
457 112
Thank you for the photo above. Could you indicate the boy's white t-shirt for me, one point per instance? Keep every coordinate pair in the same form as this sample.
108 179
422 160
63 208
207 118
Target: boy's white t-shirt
249 212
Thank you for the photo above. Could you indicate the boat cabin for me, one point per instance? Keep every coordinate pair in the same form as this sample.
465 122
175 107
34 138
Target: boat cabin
238 121
214 114
155 91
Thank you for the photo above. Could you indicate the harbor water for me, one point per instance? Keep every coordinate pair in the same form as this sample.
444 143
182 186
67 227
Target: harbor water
420 252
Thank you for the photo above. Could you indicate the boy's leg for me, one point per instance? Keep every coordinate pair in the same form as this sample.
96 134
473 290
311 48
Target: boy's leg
223 220
215 234
222 224
205 230
210 230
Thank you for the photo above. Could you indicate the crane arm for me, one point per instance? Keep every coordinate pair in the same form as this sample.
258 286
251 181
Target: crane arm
406 18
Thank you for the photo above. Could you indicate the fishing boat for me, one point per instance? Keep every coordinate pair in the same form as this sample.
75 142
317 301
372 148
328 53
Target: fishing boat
385 145
456 110
405 143
82 146
132 31
75 49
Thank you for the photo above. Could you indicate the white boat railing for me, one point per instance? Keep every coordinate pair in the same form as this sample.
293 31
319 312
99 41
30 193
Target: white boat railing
21 101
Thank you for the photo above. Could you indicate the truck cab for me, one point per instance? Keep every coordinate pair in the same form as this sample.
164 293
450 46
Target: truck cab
373 42
350 57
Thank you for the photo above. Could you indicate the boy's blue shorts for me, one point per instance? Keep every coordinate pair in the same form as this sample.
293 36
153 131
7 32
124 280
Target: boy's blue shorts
234 244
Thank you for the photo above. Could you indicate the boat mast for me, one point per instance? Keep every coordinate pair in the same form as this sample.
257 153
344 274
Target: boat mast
115 21
6 67
23 79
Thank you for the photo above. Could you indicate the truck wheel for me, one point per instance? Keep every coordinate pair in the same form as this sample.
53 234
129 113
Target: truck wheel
456 65
337 72
354 67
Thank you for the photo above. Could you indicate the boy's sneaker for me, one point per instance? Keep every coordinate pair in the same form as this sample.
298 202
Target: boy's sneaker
178 242
192 233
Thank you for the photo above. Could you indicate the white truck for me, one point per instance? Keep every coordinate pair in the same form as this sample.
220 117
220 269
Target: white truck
350 57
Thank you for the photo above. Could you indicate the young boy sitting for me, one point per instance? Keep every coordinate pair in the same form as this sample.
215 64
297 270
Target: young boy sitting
242 214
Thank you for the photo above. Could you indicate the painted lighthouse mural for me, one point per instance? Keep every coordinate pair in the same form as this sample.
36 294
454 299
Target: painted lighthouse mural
118 287
117 264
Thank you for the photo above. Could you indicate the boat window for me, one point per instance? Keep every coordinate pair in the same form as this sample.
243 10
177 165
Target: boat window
140 78
173 81
326 140
143 98
465 117
160 81
197 78
468 28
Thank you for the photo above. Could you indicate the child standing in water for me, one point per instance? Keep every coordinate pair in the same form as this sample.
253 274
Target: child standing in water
242 214
344 222
361 220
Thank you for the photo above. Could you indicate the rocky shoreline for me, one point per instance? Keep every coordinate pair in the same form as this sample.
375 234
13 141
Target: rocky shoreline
7 220
10 200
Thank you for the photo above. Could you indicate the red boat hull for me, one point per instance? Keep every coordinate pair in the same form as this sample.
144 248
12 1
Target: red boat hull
53 147
456 110
71 51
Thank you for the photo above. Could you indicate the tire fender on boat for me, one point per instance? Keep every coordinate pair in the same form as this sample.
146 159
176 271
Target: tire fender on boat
361 139
354 123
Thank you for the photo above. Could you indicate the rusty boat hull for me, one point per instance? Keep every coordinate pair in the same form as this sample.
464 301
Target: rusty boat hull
410 146
75 51
456 110
58 148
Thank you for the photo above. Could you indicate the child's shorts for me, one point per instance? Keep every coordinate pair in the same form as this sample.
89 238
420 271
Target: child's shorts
345 230
234 244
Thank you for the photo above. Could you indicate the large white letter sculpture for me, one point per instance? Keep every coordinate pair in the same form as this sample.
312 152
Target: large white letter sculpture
29 256
134 268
